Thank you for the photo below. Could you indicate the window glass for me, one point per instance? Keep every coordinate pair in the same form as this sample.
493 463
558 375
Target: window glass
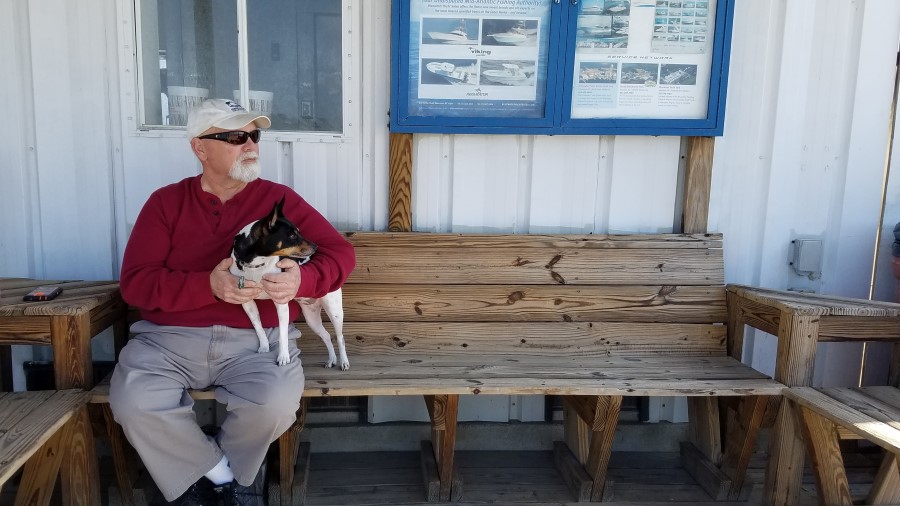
295 62
189 52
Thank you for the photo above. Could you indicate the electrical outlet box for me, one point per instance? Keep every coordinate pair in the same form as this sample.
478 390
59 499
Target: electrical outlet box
806 257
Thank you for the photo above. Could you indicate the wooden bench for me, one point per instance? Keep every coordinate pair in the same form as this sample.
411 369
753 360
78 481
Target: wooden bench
828 414
592 318
37 435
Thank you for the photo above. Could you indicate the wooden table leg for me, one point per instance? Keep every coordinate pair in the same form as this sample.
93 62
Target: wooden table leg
797 340
71 339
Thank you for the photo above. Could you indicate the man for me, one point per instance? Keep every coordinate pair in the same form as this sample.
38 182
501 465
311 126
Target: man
195 334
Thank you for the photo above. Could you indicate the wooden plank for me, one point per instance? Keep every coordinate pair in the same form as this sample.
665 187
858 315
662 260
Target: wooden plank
572 472
400 187
873 407
707 474
576 431
79 474
793 366
697 184
538 266
560 339
72 351
430 473
522 303
25 330
705 427
877 432
849 328
123 456
418 240
743 429
30 419
597 466
825 455
816 304
41 470
886 485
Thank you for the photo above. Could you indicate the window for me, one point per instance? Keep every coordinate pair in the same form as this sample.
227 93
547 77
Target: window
279 57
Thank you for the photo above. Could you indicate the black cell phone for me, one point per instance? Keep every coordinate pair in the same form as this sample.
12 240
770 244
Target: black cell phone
43 293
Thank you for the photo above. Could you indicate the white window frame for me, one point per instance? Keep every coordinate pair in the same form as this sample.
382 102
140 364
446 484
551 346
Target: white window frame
131 59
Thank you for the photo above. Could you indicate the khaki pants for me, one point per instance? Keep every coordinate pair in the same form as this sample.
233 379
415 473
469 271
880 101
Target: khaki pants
149 399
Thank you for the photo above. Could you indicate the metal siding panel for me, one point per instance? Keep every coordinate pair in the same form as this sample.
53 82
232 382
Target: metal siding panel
68 41
564 184
430 195
17 155
643 184
485 183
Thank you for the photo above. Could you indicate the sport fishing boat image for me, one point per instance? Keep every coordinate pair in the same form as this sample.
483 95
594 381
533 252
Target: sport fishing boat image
510 74
456 36
450 72
515 35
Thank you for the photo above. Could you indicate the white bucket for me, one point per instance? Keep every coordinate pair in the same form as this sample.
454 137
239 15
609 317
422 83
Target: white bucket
181 100
260 101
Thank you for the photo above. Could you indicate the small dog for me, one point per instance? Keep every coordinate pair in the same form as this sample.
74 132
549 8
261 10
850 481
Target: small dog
257 248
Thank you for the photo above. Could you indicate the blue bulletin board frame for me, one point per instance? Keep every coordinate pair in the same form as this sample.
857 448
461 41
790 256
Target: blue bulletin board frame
550 114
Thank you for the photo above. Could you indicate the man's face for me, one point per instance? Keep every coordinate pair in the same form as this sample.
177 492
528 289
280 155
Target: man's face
237 161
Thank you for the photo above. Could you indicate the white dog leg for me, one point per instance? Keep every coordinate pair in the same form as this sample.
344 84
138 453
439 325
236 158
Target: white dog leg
284 319
253 313
312 313
334 308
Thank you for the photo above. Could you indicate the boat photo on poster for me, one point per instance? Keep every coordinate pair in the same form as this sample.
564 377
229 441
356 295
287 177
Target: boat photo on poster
478 58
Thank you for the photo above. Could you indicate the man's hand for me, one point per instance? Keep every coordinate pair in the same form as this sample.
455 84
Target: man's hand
283 286
225 285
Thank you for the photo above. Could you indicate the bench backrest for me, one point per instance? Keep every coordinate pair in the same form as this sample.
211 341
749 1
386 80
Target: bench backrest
579 295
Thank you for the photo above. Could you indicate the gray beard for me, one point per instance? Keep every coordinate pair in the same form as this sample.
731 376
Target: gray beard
243 170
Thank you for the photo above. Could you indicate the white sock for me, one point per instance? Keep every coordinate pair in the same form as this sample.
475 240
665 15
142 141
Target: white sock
221 474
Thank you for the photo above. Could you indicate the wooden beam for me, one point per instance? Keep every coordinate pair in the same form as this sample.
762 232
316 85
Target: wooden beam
697 183
400 198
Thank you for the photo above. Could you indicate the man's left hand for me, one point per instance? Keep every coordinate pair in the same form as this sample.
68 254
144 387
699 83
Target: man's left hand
283 286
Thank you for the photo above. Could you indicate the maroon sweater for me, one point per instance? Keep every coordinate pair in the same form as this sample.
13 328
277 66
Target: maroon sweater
183 232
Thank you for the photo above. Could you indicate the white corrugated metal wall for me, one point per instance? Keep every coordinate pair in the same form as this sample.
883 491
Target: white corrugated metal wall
803 154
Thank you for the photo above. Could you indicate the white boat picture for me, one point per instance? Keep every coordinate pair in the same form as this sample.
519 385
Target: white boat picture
456 36
450 72
510 74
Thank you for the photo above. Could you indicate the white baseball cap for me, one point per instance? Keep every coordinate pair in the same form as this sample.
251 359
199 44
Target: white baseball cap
222 113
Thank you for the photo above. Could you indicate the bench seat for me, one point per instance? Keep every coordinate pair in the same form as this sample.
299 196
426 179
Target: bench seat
626 376
36 433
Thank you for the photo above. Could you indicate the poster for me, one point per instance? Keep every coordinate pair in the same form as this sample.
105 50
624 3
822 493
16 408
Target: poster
478 58
647 59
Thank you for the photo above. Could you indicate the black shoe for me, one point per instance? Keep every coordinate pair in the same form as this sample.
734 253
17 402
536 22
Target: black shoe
235 494
201 493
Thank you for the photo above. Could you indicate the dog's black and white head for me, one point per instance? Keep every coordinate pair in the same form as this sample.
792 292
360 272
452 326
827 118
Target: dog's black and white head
271 236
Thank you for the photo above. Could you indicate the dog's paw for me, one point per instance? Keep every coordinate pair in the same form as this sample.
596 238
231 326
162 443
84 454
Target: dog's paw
330 363
263 348
345 365
283 359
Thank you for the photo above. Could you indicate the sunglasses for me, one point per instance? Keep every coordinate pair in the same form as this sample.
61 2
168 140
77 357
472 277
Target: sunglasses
237 137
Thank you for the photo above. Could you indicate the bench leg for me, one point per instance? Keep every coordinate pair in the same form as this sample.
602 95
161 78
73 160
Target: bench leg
123 457
886 486
79 474
822 443
293 464
601 415
41 470
740 441
444 411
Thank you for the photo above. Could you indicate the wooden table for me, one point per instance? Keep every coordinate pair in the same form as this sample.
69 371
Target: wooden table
67 323
801 322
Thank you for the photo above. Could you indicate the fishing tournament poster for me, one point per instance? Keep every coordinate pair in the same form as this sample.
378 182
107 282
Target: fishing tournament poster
478 58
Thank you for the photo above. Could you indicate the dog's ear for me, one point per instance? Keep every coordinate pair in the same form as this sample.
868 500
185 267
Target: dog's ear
277 212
